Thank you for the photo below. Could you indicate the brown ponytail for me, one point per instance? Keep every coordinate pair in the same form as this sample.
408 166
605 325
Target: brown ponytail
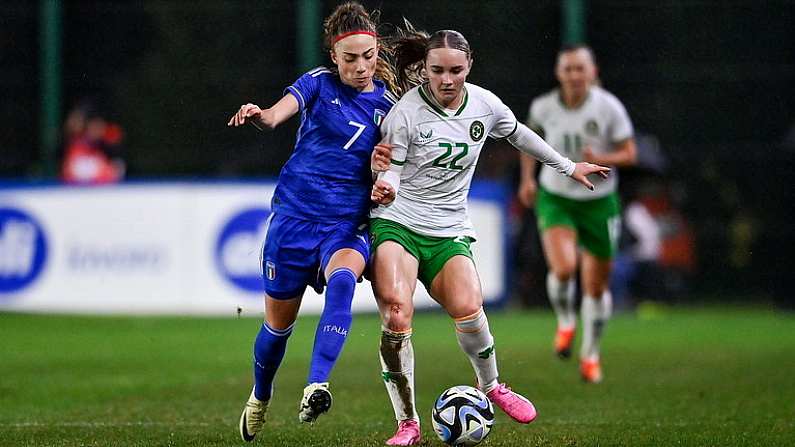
411 46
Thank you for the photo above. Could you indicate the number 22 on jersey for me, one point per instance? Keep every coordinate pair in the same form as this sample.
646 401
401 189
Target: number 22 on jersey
441 161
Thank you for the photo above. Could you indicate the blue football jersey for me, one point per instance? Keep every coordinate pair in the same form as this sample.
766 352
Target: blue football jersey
327 177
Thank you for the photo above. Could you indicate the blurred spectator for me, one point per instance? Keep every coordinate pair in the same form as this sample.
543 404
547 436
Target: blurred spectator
92 148
639 253
657 252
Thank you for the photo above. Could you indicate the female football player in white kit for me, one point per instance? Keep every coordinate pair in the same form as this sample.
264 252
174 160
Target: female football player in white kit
586 123
421 229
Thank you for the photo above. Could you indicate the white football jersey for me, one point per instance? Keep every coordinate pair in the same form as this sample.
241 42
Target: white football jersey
438 149
600 122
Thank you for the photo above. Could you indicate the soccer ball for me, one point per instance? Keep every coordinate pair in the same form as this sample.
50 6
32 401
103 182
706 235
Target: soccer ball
462 416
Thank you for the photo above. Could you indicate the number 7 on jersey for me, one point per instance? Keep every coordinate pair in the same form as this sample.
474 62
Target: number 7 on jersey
360 128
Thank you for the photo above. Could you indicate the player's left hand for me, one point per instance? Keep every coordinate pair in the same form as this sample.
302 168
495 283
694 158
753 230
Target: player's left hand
583 169
383 193
381 157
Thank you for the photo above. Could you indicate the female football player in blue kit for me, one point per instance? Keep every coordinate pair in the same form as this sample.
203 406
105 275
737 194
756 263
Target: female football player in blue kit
317 232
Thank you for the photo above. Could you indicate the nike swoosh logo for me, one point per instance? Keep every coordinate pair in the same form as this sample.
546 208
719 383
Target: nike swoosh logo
243 430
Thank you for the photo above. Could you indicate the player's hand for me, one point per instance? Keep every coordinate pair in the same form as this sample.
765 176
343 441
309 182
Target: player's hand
527 193
383 193
583 169
248 113
381 157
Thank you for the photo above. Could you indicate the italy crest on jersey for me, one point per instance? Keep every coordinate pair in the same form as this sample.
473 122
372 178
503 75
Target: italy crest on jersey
270 270
378 116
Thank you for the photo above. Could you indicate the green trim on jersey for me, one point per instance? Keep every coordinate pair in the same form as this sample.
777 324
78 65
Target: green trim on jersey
435 106
464 102
396 162
427 100
431 252
597 222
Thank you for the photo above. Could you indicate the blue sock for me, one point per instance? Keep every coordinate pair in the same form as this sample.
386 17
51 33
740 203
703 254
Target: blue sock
332 330
268 354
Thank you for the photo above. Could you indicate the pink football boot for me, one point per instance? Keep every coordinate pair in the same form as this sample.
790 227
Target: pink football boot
408 433
513 404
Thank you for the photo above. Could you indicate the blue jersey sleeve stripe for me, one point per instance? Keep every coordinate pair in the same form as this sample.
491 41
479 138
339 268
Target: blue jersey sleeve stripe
314 75
316 69
390 97
297 93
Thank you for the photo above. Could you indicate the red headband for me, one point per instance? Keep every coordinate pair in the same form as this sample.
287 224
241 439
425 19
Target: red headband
350 33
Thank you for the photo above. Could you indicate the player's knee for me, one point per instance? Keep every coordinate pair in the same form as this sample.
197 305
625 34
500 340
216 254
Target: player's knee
469 307
279 322
564 273
594 288
397 317
464 304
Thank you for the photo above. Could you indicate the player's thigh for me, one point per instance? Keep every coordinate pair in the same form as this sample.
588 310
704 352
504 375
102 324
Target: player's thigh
556 221
394 279
281 313
346 246
345 258
595 274
289 257
394 273
560 250
599 226
395 260
457 287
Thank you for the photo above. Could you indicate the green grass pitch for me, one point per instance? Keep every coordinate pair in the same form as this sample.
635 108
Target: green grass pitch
714 377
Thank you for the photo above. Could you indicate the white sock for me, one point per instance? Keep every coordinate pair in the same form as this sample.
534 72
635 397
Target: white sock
397 363
561 295
595 313
476 341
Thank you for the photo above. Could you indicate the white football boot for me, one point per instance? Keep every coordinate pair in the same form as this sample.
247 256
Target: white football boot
253 417
316 401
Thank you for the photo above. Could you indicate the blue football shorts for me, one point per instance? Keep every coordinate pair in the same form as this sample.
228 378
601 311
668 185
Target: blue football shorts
296 252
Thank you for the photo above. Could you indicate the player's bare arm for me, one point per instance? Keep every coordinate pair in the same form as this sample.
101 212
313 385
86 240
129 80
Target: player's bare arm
267 119
527 185
624 154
